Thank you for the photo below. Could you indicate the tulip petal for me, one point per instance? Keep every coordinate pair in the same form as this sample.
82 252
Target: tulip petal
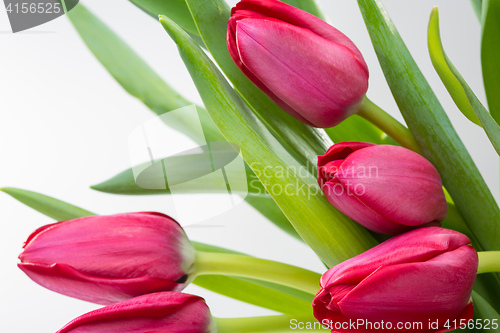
346 200
160 312
122 246
234 53
299 18
417 277
383 173
437 289
334 79
341 150
68 281
414 246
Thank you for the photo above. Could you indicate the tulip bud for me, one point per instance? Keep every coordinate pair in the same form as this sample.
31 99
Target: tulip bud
107 259
309 68
171 312
414 282
387 189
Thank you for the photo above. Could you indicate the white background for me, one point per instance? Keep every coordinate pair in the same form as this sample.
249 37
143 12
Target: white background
64 125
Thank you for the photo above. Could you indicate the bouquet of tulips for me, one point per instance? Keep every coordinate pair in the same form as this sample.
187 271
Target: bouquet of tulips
404 223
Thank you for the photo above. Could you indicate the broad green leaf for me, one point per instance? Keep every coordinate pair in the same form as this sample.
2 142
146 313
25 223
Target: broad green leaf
431 127
186 167
445 69
329 233
53 208
131 71
281 298
490 53
126 183
302 141
459 90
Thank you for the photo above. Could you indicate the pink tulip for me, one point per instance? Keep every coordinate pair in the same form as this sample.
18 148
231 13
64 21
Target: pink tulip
170 312
387 189
423 276
107 259
309 68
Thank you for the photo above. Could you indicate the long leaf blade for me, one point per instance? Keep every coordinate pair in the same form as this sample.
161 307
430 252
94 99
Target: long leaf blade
459 90
490 53
314 218
176 9
53 208
126 184
141 81
130 70
431 127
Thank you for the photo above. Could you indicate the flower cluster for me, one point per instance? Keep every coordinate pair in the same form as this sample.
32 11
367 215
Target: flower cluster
137 264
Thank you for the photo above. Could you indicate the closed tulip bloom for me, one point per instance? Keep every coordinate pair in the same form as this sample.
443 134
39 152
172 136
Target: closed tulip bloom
387 189
422 277
170 312
309 68
107 259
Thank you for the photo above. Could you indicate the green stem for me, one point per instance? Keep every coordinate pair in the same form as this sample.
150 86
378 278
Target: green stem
208 263
284 323
374 114
489 262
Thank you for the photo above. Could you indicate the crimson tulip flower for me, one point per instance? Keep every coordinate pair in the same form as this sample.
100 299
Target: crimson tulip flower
107 259
419 281
387 189
171 312
309 68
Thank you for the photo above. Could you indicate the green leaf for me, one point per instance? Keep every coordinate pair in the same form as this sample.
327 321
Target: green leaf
132 72
141 81
253 292
445 69
154 183
329 233
267 207
281 299
459 90
186 167
309 6
302 141
53 208
482 309
356 128
431 127
477 5
268 295
490 53
176 9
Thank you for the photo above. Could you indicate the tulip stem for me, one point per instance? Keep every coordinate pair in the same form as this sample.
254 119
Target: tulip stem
387 123
283 323
208 263
489 262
